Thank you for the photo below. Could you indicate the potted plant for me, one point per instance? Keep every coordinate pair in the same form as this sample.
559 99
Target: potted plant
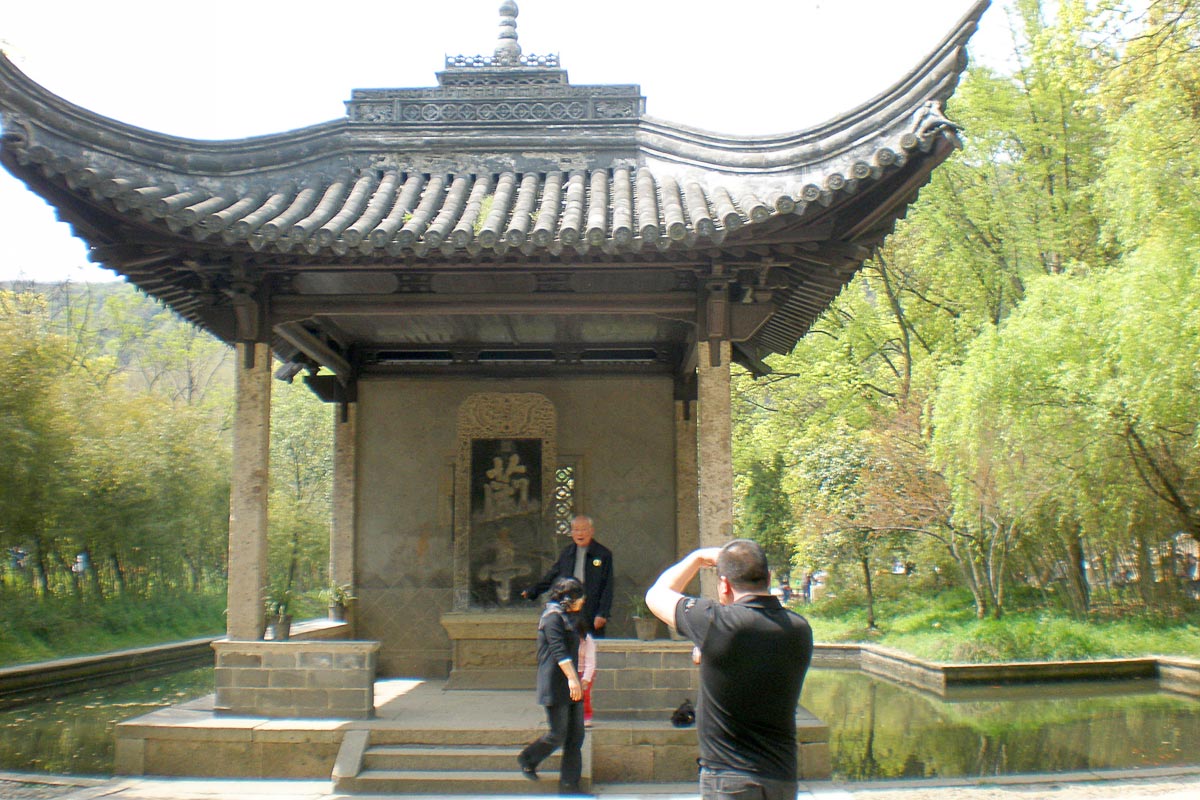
644 622
339 596
279 600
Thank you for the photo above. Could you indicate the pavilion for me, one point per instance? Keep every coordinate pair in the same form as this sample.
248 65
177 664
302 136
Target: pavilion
523 298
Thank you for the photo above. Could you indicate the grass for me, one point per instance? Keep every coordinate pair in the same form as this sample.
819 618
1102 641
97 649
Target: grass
39 630
59 627
942 627
930 624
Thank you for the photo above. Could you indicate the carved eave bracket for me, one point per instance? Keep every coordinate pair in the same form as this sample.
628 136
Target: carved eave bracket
729 311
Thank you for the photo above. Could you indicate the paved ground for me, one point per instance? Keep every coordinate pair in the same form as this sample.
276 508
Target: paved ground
1159 784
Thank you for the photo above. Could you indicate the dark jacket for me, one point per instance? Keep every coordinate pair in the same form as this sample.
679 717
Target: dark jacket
597 580
558 640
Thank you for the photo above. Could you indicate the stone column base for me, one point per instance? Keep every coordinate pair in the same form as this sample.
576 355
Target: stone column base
296 679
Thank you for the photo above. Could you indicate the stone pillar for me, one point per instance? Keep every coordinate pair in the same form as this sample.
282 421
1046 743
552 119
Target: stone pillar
341 533
687 523
248 492
715 453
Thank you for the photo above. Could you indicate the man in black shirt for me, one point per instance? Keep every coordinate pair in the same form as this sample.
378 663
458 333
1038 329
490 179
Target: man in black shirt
753 657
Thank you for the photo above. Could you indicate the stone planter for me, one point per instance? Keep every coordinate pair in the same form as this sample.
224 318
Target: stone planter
646 627
281 628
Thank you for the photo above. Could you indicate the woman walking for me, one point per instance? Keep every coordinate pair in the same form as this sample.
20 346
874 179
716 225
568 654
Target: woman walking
558 687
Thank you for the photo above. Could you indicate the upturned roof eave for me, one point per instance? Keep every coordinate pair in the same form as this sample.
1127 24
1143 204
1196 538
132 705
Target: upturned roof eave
44 119
933 79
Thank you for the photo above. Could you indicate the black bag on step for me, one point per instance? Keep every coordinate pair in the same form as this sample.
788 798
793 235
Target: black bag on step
684 716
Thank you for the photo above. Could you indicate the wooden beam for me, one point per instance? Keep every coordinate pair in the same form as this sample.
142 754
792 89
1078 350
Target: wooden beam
299 337
291 308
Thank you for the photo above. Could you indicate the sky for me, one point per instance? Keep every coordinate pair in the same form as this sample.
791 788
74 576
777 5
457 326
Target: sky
234 68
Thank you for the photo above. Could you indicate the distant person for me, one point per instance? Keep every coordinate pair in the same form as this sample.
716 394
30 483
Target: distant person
558 687
806 587
785 590
753 656
590 563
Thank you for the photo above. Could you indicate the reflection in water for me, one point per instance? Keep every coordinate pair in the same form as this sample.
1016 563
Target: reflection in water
74 734
880 730
876 729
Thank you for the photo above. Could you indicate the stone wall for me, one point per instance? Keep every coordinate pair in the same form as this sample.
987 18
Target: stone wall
640 684
301 679
643 680
619 430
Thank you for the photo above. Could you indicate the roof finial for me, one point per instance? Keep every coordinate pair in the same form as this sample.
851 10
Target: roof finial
508 51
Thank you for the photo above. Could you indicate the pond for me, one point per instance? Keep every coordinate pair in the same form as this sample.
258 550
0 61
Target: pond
73 735
877 730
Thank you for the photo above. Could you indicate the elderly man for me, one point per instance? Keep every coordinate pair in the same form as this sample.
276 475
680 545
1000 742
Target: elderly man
753 654
590 563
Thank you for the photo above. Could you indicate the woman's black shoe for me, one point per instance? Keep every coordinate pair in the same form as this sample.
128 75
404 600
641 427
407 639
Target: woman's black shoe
527 769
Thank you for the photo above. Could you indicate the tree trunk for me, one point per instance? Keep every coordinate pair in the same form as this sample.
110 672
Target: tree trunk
1077 580
966 566
41 575
1145 570
118 573
93 574
866 568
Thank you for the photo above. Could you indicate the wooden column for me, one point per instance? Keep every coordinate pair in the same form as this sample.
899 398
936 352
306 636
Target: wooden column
341 534
248 492
715 448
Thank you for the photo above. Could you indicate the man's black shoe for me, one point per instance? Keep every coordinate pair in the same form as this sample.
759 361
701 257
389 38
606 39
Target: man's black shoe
527 769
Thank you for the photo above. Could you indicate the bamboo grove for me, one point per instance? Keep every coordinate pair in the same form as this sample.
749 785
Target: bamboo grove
115 425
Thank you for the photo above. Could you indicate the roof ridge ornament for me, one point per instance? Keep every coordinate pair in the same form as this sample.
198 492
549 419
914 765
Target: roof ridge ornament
508 49
508 53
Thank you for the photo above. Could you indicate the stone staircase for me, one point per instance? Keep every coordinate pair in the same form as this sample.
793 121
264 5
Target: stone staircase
443 762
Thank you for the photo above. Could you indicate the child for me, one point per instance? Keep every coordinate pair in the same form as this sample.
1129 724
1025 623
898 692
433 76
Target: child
587 666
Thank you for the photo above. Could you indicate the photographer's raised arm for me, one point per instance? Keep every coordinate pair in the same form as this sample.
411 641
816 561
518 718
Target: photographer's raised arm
664 595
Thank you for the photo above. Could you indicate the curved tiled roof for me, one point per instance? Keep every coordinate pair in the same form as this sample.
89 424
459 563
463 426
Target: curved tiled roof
384 214
473 174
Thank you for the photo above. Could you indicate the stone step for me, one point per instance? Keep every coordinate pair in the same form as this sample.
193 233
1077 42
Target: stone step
401 757
480 784
518 737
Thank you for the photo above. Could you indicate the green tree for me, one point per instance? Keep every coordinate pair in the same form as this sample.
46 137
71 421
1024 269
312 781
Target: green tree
766 514
301 485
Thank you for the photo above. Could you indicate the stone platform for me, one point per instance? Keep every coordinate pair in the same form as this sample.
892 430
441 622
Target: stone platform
415 720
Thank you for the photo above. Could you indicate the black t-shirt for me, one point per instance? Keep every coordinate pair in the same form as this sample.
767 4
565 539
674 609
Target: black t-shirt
754 654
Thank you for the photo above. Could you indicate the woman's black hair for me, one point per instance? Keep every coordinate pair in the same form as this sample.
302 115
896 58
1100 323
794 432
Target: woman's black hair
566 590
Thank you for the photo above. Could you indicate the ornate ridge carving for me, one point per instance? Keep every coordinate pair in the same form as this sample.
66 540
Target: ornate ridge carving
523 416
533 102
484 62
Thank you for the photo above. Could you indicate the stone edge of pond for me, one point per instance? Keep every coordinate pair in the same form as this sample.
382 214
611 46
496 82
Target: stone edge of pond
48 779
1175 674
1143 775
